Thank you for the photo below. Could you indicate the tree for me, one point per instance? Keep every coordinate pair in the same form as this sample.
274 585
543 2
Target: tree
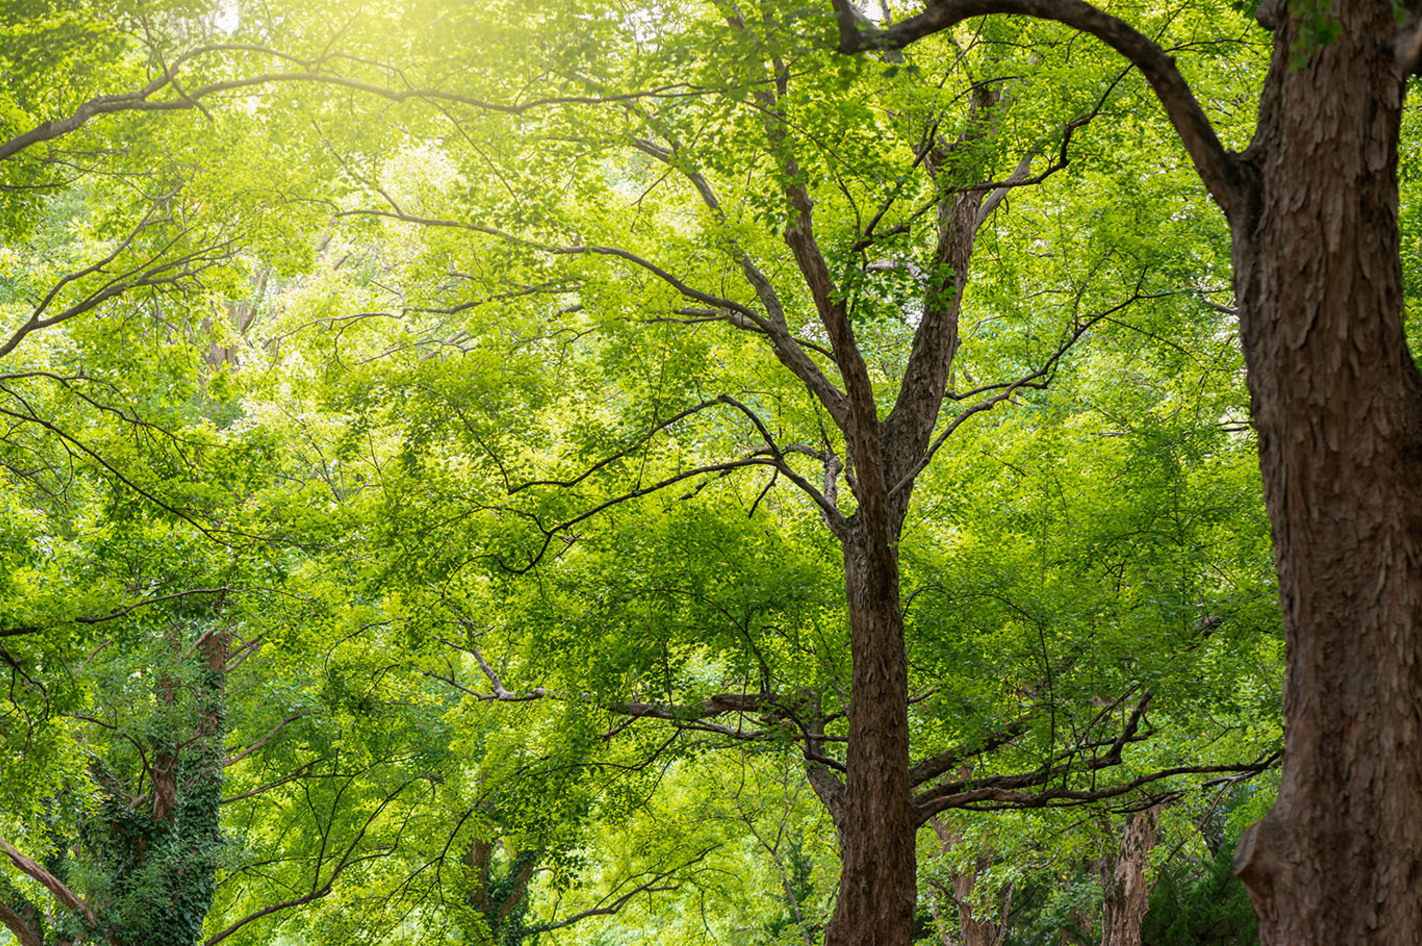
1312 205
792 309
814 256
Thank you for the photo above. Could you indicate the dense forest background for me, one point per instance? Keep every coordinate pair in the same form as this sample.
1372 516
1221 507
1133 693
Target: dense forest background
429 501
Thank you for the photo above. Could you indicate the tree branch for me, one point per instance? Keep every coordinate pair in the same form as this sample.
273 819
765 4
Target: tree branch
318 890
1037 379
239 756
47 880
994 798
934 766
141 100
1223 174
788 349
608 906
112 615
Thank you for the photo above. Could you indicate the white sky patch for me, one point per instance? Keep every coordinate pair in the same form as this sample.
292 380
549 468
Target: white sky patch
227 18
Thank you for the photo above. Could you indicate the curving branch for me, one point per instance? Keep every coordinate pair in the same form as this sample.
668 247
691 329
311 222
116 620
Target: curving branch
339 865
1224 175
237 756
1000 798
936 765
797 718
773 325
112 615
1038 379
211 532
23 921
613 902
307 71
771 455
1036 788
550 532
790 350
153 273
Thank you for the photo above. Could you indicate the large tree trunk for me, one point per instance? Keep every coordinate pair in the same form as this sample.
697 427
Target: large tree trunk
878 888
1337 402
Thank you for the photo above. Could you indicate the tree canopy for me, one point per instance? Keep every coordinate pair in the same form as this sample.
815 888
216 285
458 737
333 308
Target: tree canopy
560 472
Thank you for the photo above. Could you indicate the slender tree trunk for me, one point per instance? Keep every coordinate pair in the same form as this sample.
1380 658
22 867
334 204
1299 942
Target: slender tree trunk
1337 402
878 887
975 930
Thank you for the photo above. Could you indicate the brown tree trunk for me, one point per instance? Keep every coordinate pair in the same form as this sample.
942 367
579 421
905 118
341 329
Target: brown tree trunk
1125 880
878 888
21 918
975 930
1337 402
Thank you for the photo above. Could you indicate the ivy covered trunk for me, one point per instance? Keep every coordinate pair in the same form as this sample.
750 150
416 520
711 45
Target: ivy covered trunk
143 868
1337 402
498 898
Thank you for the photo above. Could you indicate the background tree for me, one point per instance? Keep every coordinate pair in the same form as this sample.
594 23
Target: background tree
661 381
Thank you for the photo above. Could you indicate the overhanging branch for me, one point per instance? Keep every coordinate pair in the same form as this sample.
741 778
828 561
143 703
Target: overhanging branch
1224 176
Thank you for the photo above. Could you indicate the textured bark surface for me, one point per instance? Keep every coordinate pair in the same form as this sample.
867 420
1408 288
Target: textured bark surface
877 889
1126 881
1337 402
21 918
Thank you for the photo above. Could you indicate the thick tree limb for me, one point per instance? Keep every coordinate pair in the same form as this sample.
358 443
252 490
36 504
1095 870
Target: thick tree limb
23 927
994 798
1224 175
1026 789
53 884
934 766
909 426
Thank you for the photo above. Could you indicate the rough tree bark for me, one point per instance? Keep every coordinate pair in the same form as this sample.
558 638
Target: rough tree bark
1338 407
878 889
1337 402
1125 883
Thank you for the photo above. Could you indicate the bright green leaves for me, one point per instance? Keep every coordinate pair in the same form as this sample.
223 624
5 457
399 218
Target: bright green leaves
435 371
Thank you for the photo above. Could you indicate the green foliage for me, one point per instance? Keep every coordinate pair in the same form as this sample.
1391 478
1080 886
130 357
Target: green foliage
1201 904
398 408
